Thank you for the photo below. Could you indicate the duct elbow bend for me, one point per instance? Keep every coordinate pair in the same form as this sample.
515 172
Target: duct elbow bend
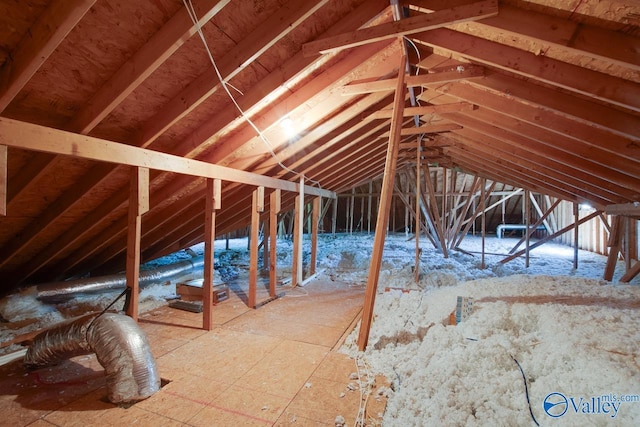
122 348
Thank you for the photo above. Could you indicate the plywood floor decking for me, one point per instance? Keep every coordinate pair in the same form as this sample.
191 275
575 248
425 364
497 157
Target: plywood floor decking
272 366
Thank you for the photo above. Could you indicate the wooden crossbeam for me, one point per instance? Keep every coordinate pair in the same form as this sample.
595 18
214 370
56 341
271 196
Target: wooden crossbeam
427 109
407 26
624 209
39 138
445 127
467 72
552 236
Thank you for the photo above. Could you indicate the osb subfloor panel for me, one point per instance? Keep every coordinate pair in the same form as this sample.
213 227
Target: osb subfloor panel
272 366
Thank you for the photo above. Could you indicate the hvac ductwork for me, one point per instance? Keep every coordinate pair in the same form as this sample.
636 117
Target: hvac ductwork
122 348
64 290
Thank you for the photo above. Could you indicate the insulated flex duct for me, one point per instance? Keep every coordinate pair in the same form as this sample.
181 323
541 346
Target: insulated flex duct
60 291
120 345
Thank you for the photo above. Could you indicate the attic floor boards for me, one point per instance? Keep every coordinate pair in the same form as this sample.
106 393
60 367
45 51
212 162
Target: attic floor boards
270 366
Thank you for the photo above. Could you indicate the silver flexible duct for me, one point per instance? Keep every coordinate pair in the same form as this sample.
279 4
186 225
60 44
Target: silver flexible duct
92 285
122 348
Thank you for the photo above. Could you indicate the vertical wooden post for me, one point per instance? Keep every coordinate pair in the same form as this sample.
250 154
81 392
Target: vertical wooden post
296 271
443 214
383 212
212 203
4 171
369 207
334 217
527 221
257 206
274 208
483 222
576 237
627 243
406 214
314 234
351 210
138 205
615 241
393 212
418 220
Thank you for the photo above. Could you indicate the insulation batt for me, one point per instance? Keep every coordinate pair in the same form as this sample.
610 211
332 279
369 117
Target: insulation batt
122 348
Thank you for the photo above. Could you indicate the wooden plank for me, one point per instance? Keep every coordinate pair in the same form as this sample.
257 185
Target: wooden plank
576 234
624 209
253 252
427 109
402 27
552 236
274 207
447 127
4 171
416 271
614 244
574 78
314 234
540 221
139 191
212 202
383 210
530 111
527 221
298 227
575 37
39 138
571 107
631 273
143 63
38 44
467 72
483 198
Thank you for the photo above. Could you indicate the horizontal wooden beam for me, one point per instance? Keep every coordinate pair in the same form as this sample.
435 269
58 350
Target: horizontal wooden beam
394 29
624 209
28 136
427 109
463 73
447 127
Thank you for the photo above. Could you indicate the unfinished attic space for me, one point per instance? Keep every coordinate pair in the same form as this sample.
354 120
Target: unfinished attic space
331 212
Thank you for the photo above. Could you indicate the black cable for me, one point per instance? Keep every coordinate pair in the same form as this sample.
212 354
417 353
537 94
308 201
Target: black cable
127 291
526 390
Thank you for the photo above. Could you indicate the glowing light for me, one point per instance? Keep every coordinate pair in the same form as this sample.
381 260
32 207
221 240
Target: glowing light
288 126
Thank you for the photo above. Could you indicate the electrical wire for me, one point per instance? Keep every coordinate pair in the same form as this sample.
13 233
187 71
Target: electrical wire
526 390
192 14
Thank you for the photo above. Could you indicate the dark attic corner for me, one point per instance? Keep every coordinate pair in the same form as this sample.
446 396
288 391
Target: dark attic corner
363 212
